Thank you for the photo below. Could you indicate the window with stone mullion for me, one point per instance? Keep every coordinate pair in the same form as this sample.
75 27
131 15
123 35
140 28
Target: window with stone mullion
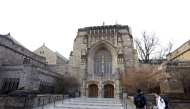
102 57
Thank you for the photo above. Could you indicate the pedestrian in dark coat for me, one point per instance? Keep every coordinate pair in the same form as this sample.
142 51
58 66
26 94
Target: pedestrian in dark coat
139 100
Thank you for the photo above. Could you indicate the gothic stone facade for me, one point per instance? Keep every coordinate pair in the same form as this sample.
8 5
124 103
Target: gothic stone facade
100 56
20 67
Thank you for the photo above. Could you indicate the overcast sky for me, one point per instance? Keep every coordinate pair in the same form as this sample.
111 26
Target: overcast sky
55 22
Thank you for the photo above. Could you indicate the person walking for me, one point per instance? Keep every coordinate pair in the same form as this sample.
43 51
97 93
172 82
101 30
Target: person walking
70 94
139 100
160 104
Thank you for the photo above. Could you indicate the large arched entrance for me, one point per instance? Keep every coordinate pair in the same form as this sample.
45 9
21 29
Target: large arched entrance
108 91
93 90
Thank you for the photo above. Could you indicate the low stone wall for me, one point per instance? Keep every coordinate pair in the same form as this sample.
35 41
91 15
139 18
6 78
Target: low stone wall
131 98
179 104
7 102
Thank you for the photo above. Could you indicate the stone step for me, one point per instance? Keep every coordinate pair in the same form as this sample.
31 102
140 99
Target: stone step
87 107
116 102
96 99
93 104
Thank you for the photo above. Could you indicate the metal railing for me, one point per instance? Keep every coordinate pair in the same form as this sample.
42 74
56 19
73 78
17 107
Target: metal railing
28 103
58 98
123 102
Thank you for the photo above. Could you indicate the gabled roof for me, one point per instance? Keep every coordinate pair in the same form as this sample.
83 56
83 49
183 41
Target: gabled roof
14 40
56 53
61 56
44 47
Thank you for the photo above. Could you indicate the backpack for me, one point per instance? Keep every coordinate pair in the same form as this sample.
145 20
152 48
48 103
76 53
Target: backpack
166 103
139 101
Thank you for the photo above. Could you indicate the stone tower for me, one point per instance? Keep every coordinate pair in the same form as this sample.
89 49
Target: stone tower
101 56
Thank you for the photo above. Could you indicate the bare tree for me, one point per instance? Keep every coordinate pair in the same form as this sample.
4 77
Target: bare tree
161 54
63 83
58 88
185 78
69 81
143 78
170 45
146 45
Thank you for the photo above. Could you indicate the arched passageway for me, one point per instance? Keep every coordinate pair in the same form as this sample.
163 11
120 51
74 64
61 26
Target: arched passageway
93 90
108 91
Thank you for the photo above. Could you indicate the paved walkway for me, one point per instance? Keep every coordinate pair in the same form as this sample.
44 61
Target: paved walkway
88 103
130 105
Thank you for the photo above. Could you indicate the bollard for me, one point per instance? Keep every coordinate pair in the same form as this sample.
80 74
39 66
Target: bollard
42 103
24 103
62 99
54 101
123 104
39 102
126 105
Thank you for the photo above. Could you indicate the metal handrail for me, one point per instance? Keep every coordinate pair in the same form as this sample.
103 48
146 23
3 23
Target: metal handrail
123 102
54 100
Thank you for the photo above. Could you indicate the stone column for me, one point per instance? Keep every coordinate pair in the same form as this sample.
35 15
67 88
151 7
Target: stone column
118 90
100 91
83 87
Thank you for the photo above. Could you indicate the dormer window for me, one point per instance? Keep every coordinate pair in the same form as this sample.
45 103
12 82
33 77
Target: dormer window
41 52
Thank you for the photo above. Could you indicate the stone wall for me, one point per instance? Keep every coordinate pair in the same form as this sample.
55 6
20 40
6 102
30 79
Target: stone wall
60 68
179 105
31 70
173 71
180 54
59 60
30 75
12 53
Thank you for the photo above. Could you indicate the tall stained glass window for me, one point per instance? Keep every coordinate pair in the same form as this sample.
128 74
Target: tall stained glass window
103 62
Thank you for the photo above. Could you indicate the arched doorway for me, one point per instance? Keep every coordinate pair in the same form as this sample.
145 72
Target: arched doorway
108 91
93 90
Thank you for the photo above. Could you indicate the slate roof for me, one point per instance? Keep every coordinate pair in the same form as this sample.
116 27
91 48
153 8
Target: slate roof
61 56
14 40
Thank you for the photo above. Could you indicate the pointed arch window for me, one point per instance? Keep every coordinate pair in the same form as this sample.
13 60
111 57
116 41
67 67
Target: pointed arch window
102 62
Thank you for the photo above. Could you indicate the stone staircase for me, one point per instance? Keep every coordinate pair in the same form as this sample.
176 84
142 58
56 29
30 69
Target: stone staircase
91 103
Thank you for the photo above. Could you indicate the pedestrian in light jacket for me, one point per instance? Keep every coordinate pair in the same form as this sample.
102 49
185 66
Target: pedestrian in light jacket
160 104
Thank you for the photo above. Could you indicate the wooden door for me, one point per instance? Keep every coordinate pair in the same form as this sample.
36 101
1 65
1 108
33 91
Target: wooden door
93 90
108 91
